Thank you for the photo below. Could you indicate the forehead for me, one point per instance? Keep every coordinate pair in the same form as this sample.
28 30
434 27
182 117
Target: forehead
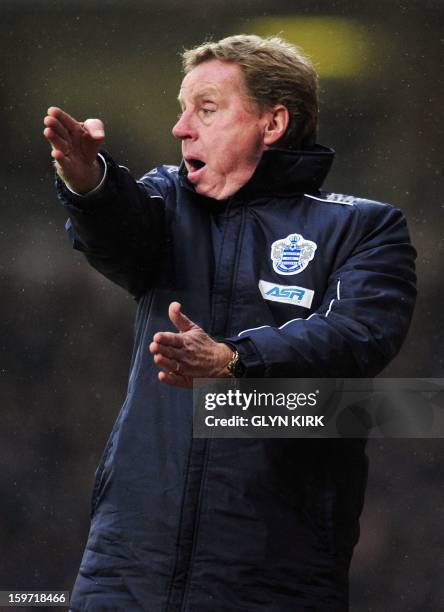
214 77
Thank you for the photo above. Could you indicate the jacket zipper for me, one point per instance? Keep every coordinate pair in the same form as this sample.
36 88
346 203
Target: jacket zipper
207 442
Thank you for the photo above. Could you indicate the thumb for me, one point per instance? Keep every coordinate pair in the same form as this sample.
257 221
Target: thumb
178 319
95 128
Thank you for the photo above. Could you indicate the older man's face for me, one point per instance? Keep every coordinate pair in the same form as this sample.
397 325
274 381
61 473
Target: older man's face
222 135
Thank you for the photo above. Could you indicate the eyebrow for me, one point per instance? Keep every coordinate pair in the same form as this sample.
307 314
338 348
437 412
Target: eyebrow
207 90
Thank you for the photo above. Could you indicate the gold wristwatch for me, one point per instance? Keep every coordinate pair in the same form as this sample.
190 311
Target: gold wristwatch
235 367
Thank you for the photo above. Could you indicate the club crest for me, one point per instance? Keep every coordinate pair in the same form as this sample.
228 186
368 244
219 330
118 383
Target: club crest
292 254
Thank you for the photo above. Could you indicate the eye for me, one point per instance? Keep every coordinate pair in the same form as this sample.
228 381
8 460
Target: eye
206 112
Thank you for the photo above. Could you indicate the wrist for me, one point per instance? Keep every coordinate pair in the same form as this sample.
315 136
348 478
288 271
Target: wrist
224 356
91 182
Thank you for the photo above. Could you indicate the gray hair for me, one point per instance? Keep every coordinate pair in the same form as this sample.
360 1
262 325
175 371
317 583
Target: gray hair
275 72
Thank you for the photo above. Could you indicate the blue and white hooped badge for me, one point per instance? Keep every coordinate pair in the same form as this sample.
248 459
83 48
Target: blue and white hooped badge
292 254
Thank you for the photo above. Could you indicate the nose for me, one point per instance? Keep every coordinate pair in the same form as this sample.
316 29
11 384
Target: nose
183 128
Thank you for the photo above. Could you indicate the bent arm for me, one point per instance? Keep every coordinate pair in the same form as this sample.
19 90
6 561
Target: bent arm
117 223
362 321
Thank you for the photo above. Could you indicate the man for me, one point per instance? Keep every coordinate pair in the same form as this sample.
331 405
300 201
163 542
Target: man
232 524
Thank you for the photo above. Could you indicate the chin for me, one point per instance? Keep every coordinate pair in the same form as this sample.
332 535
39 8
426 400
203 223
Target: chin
209 192
217 191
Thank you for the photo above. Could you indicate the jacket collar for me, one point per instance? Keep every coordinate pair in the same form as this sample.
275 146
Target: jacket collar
282 172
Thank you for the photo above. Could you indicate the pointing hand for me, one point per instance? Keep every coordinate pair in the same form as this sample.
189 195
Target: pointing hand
74 148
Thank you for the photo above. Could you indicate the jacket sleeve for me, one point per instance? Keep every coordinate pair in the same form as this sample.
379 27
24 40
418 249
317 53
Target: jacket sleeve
363 318
120 228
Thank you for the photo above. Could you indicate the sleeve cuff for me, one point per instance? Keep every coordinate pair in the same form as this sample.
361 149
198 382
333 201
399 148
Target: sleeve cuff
99 186
249 355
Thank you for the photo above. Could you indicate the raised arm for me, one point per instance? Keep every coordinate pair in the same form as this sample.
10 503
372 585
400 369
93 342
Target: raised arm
118 223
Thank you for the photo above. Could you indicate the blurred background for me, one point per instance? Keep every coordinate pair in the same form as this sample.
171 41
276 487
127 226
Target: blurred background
66 333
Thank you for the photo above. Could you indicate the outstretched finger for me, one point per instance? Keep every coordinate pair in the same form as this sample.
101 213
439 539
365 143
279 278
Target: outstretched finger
169 365
61 159
56 142
54 124
176 381
68 122
167 351
168 339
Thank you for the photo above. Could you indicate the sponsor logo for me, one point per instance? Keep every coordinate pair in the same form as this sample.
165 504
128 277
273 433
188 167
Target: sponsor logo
298 296
292 254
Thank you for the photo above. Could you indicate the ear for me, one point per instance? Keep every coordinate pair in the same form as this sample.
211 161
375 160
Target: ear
278 119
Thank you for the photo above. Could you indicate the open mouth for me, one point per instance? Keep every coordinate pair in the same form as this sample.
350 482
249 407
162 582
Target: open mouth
195 164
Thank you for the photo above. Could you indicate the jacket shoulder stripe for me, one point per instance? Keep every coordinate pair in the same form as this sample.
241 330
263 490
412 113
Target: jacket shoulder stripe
334 198
245 331
314 314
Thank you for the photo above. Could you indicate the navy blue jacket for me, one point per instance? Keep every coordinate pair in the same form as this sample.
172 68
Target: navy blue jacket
303 283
